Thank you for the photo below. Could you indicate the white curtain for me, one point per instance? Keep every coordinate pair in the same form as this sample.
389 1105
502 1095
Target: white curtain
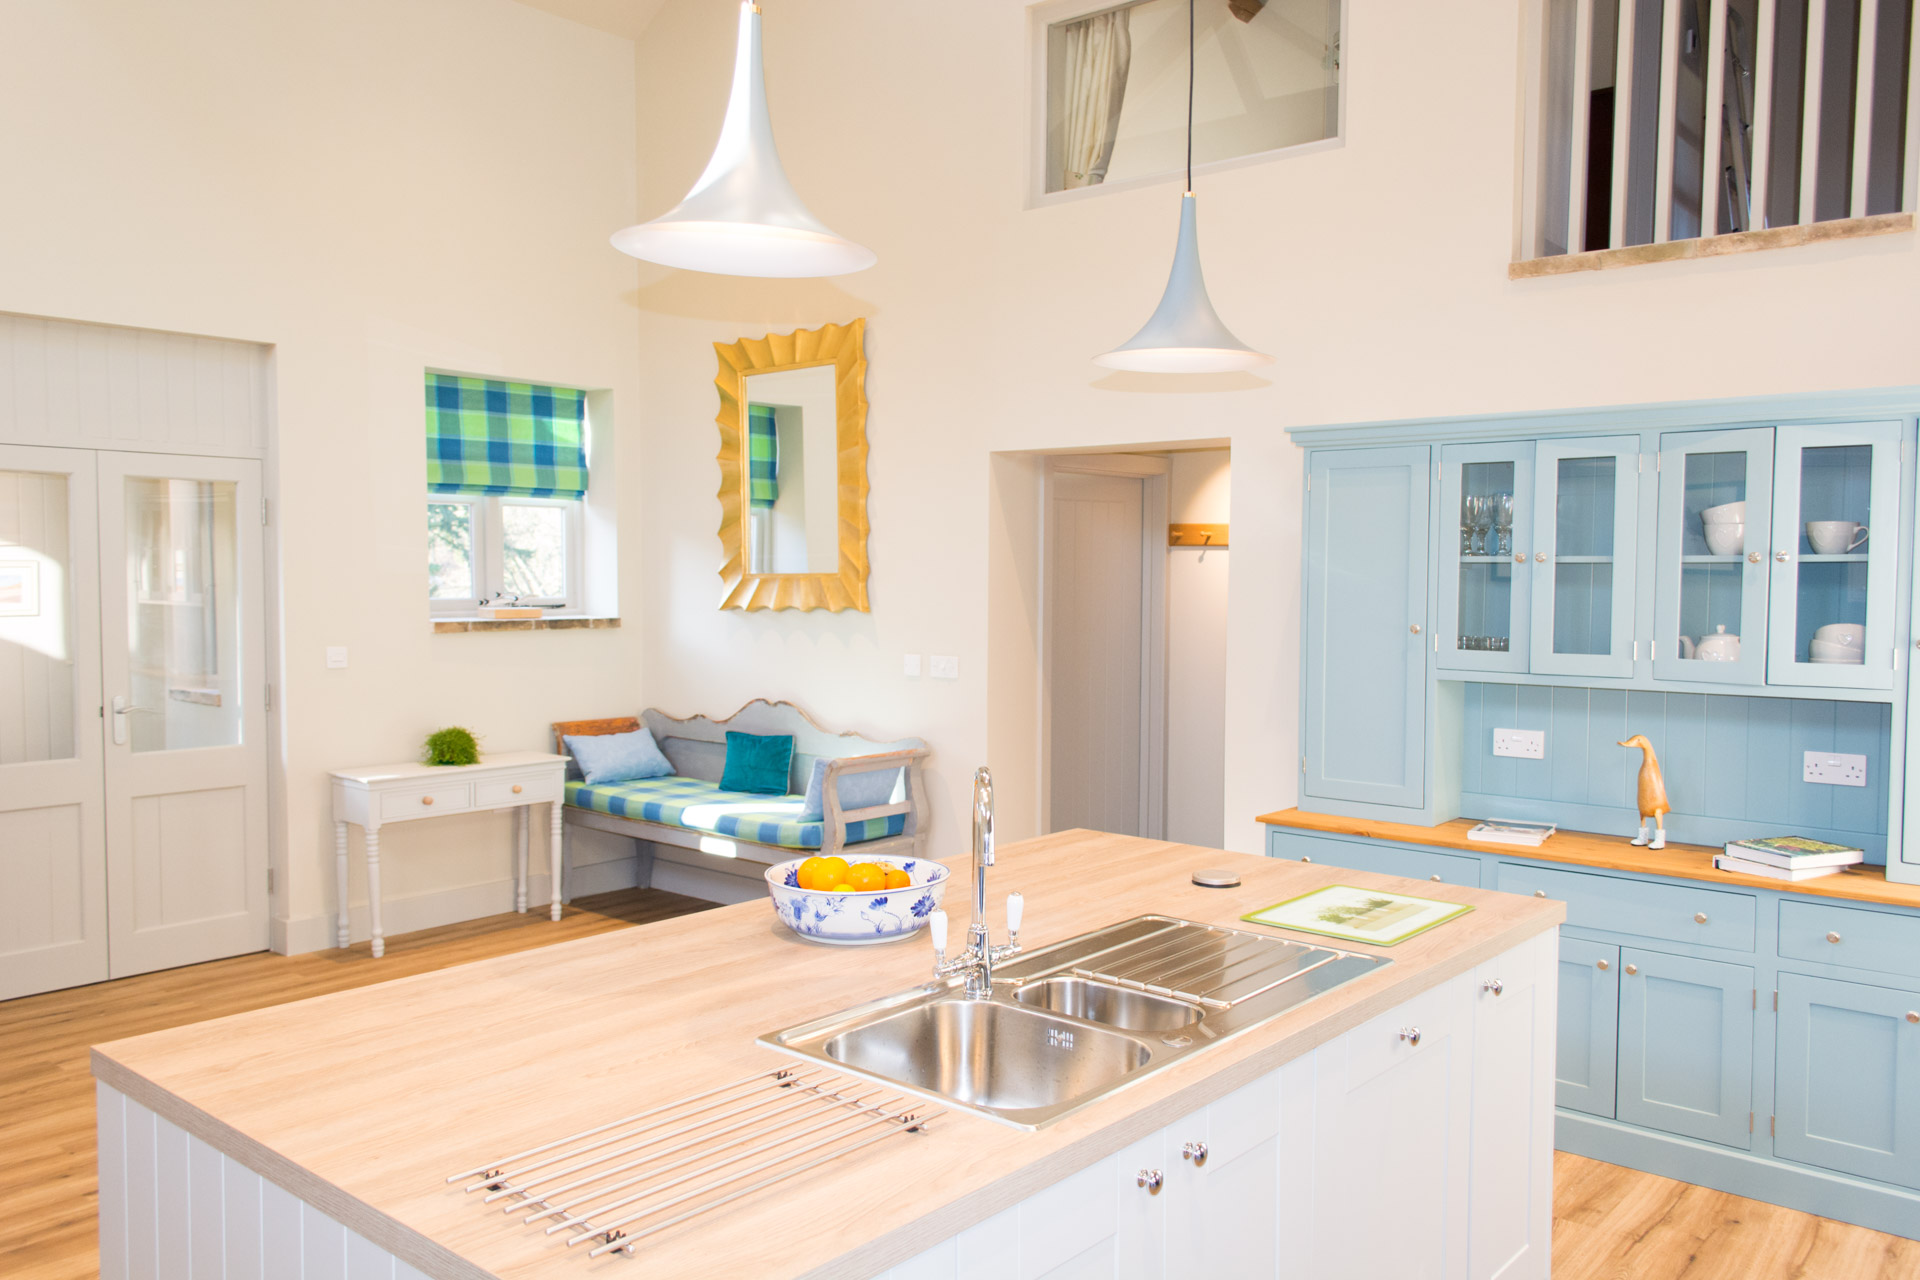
1098 50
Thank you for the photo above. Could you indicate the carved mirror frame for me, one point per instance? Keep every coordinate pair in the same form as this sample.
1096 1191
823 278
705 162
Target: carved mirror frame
844 348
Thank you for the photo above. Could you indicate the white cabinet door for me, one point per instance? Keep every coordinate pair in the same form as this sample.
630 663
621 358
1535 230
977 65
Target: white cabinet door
1510 1161
1223 1185
1391 1130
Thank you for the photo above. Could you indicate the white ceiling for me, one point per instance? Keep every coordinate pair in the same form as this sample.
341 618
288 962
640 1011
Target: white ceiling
621 17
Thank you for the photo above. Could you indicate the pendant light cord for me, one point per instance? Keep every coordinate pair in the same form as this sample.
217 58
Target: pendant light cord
1189 97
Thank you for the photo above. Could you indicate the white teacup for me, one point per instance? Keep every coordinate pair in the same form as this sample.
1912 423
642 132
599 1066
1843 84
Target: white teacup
1726 538
1835 537
1726 513
1850 634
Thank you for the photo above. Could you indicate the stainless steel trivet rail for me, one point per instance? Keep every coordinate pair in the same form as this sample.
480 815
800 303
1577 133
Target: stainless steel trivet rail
1214 967
631 1178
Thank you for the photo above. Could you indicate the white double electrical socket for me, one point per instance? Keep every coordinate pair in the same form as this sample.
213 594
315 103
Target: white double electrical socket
1525 744
1834 769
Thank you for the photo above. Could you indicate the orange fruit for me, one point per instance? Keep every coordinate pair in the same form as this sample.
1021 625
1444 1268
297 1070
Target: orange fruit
898 879
843 887
830 874
867 877
810 874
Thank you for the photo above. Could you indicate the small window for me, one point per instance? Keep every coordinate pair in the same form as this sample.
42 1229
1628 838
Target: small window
1266 76
506 481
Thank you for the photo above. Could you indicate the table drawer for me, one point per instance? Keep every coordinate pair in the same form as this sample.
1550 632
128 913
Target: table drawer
1852 936
424 801
1710 917
491 793
1388 860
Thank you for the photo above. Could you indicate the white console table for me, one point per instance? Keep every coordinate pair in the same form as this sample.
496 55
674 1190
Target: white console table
374 797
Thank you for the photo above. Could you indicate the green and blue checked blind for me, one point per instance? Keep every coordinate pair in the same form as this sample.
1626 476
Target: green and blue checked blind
763 456
511 438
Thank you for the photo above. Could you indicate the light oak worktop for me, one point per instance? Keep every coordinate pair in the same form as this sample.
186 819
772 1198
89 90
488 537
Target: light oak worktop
1611 853
362 1102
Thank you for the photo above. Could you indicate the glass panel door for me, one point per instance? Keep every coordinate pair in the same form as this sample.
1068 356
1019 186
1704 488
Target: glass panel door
1833 579
1710 582
1487 490
1585 519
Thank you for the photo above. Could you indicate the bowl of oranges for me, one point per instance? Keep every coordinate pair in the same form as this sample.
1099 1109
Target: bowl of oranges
856 902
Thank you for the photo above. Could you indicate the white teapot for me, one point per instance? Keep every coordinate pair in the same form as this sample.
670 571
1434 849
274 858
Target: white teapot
1718 647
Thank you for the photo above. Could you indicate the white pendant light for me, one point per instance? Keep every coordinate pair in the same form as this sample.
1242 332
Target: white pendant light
1184 334
743 218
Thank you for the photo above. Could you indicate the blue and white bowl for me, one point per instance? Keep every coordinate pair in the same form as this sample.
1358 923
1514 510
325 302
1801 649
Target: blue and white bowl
858 919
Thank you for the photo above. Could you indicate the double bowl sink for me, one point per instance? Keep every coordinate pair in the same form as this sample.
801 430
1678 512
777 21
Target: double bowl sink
1071 1023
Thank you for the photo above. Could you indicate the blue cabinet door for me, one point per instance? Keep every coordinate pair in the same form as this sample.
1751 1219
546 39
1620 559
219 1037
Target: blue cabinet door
1710 578
1485 518
1365 607
1686 1046
1847 1092
1589 1026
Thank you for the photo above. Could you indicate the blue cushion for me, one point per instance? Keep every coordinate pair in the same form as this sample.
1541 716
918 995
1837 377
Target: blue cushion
857 790
618 757
757 763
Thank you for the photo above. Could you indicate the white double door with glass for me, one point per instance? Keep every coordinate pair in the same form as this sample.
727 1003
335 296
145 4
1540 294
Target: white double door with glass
133 805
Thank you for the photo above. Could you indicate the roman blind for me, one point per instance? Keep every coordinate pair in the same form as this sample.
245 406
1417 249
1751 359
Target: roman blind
763 456
512 438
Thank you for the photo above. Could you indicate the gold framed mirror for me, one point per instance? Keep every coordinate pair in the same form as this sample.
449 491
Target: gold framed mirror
793 469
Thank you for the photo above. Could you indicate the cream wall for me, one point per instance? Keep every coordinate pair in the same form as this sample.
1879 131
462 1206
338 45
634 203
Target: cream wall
1375 271
1199 491
371 187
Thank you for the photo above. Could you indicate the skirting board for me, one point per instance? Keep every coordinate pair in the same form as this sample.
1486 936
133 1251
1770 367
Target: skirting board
1873 1205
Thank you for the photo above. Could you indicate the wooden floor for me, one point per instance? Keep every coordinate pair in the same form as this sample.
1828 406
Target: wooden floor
1610 1223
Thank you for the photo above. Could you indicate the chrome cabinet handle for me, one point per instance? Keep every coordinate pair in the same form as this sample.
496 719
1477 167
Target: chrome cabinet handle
1753 557
1519 557
1306 857
1913 1016
1780 556
1415 628
1435 879
1539 557
1494 985
1539 893
1151 1179
1196 1152
1833 937
1411 1035
1603 964
1699 917
1633 969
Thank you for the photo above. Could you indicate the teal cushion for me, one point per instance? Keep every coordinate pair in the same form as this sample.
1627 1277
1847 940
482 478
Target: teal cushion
757 763
857 791
618 757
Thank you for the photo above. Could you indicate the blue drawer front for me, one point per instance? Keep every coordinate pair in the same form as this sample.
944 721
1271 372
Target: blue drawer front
1862 939
1710 917
1387 860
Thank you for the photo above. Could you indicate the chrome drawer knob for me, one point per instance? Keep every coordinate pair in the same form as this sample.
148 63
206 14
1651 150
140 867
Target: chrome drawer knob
1833 937
1435 879
1699 917
1539 893
1912 1016
1539 557
516 788
1780 556
1603 964
1196 1152
1633 968
1494 985
1152 1180
426 799
1753 557
1411 1035
1305 858
1519 557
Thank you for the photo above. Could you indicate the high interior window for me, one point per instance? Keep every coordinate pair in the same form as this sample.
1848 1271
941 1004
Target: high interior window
1266 76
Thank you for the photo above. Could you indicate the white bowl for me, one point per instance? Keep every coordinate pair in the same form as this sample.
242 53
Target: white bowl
1726 513
1822 651
1850 634
1856 660
1727 539
858 919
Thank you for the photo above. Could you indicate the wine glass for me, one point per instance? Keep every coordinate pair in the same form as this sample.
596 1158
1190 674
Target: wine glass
1481 510
1503 522
1466 524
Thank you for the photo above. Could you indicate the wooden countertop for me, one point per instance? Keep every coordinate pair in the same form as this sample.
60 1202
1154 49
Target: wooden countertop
363 1102
1613 853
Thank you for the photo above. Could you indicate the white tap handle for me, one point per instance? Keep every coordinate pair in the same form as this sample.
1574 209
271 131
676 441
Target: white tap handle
1016 906
937 924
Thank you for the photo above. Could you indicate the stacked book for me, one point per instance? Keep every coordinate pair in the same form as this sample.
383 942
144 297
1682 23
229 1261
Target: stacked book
1786 858
1526 834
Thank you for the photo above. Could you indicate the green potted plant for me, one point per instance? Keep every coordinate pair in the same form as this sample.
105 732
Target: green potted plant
453 746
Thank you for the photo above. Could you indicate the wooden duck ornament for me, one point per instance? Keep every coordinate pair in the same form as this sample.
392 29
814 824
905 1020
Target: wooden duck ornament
1653 794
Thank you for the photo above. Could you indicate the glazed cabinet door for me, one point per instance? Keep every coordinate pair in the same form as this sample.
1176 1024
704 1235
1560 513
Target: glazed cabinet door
1588 1042
1710 578
1585 537
1832 622
1224 1182
1487 490
1365 622
1847 1088
1686 1046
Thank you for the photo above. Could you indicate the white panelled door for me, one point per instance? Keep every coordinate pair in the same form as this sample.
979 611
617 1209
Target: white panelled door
183 665
53 870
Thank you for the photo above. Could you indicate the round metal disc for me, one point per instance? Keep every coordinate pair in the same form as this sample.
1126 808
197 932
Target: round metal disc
1216 878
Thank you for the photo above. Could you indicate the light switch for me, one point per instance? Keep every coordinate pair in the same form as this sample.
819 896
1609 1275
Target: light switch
1527 744
336 656
944 668
1834 769
912 664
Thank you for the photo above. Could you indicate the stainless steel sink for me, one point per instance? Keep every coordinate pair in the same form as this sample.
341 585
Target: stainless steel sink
1075 1021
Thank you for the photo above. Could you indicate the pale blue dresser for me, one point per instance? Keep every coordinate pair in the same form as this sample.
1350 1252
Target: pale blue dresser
1556 575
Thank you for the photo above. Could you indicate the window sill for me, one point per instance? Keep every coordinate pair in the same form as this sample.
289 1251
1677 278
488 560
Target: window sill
1633 255
449 626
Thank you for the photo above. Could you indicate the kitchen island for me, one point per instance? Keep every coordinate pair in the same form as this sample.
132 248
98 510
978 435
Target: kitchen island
1399 1125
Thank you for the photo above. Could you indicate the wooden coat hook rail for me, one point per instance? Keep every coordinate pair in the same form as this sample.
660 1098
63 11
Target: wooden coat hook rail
1208 536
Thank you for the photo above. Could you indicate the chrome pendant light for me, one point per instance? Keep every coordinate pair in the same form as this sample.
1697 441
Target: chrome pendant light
1184 334
743 218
